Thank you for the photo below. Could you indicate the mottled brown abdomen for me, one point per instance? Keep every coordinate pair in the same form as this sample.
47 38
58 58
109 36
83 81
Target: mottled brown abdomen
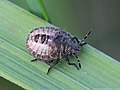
40 43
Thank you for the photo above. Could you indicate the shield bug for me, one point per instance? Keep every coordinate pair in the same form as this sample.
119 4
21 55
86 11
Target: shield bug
51 44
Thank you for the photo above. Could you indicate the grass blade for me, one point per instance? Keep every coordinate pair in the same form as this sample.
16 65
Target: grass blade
37 7
98 70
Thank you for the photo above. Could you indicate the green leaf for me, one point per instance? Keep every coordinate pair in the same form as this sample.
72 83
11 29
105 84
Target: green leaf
34 6
37 7
98 70
21 3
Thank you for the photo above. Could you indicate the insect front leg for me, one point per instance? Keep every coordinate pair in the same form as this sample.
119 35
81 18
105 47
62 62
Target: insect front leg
78 60
57 61
82 43
75 38
67 59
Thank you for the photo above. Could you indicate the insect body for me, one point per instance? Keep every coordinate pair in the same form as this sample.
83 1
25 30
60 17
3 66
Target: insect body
50 43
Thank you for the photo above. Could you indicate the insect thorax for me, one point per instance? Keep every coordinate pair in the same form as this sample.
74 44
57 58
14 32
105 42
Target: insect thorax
66 43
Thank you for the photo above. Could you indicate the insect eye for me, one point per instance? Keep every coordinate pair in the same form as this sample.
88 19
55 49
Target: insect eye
36 37
43 38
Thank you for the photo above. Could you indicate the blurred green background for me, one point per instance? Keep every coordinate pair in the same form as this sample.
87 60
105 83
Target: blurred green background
78 17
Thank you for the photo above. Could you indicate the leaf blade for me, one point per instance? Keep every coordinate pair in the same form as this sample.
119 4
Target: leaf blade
15 24
37 7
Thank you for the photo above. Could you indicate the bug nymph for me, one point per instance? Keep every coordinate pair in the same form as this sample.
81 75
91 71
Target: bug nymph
52 44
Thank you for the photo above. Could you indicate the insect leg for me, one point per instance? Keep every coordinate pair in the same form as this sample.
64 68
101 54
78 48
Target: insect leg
78 60
76 39
67 59
82 43
57 61
34 60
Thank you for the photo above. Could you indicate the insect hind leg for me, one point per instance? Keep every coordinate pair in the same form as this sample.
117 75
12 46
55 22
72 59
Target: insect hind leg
34 60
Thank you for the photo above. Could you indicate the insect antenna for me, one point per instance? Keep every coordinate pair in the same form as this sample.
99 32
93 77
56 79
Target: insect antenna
82 41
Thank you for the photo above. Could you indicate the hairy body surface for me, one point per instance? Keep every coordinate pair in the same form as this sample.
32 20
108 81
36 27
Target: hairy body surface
50 43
